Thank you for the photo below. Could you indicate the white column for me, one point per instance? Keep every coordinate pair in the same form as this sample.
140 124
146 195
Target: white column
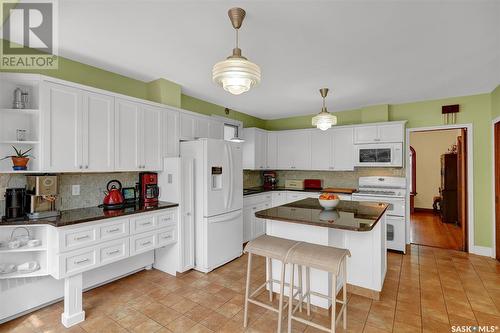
73 311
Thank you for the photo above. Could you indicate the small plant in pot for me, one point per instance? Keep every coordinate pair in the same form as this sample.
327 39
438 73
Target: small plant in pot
20 159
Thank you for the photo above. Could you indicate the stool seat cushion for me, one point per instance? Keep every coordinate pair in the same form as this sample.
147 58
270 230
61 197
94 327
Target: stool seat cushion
325 258
270 246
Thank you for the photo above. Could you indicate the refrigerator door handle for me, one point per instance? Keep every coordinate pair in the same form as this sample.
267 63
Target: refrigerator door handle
225 217
231 166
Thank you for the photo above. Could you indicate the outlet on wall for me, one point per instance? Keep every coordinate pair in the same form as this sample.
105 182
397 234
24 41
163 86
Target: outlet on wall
75 189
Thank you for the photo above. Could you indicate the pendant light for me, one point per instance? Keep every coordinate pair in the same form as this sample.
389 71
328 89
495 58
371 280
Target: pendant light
236 74
324 120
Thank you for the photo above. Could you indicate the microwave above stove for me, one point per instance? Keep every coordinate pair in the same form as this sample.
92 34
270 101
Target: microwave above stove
379 155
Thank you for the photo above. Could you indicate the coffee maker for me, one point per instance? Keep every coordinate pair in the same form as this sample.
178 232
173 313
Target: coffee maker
15 204
149 191
42 195
270 180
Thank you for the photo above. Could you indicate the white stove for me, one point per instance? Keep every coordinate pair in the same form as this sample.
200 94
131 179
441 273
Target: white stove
390 190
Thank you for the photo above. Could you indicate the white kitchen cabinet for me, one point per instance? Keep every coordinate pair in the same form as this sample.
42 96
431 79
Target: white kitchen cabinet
98 129
343 149
321 150
254 149
248 214
216 129
374 133
253 226
150 138
186 126
170 133
278 198
294 150
271 150
259 225
201 127
127 135
62 124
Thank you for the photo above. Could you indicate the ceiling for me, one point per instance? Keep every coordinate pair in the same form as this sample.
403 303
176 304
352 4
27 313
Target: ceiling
366 52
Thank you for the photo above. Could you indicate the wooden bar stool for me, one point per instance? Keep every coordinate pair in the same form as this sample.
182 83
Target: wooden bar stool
271 248
325 258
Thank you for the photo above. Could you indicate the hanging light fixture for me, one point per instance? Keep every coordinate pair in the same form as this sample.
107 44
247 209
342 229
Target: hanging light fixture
236 74
324 120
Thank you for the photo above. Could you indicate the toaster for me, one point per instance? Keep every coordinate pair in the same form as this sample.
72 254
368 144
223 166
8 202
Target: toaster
294 184
313 184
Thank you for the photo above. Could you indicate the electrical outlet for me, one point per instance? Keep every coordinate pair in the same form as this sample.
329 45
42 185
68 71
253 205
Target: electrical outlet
75 189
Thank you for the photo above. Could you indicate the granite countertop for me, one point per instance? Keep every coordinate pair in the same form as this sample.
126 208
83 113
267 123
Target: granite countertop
82 215
261 189
348 215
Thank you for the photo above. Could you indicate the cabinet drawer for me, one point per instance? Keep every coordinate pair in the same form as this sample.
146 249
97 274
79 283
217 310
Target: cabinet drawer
167 236
114 230
166 219
76 263
77 238
143 243
142 224
114 251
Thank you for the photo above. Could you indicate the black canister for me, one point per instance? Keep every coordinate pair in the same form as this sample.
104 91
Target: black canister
15 204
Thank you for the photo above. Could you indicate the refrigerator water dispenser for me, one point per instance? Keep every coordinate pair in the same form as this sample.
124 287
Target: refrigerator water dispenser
216 178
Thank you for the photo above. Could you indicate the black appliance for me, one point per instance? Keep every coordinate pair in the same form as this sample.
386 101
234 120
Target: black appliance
15 204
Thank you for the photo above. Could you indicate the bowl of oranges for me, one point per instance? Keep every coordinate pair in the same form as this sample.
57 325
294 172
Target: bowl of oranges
328 200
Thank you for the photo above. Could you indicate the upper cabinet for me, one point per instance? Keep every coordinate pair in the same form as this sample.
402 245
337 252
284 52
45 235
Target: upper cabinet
294 150
216 129
193 127
254 149
127 135
170 133
376 133
150 139
332 149
272 150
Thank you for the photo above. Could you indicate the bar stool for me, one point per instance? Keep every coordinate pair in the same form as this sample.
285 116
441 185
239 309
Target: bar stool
325 258
276 248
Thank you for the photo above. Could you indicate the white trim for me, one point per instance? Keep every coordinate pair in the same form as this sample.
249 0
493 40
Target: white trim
470 181
482 251
493 203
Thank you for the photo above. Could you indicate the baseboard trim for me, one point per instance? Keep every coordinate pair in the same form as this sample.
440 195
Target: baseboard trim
423 210
482 251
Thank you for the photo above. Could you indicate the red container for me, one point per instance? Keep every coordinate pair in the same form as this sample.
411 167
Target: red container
313 184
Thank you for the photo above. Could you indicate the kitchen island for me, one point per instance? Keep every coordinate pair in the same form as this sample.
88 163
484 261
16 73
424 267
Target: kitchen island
357 226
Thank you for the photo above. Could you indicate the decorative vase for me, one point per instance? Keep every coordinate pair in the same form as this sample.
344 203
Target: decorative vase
20 163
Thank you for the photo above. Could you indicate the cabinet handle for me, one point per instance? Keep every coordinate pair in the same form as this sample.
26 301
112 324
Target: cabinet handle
167 237
113 252
254 208
80 167
82 237
86 167
78 262
188 214
146 243
145 224
113 230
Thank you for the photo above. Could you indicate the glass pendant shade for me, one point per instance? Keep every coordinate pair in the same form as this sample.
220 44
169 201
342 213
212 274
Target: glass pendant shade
236 74
324 120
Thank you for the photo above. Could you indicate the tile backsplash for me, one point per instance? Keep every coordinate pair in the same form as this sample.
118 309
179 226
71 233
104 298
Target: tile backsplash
330 178
92 187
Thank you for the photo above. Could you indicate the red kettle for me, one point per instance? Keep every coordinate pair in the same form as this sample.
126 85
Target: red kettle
114 197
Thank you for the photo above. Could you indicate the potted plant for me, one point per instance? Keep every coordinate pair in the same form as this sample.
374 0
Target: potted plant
20 159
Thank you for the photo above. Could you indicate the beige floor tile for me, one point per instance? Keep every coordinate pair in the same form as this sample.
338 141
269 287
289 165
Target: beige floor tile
181 324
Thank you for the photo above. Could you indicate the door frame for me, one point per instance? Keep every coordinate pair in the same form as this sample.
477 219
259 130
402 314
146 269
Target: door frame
470 181
494 214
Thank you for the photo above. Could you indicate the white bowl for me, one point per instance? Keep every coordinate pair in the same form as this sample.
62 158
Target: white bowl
329 204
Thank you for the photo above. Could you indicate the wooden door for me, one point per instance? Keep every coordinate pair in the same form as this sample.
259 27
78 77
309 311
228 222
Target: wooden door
62 120
98 132
497 189
462 185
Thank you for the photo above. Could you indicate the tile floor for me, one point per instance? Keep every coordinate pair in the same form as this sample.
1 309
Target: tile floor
427 290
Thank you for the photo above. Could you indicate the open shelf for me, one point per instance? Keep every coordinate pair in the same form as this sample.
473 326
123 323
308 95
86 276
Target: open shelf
19 110
14 275
23 249
20 142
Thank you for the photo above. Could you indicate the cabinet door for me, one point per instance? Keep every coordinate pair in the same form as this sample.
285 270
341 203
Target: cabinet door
321 150
260 150
286 150
186 126
365 134
259 228
98 132
150 138
343 149
302 150
127 131
247 223
391 133
170 133
216 129
201 127
271 150
62 126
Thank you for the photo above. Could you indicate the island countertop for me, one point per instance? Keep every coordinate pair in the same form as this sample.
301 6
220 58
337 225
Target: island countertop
82 215
348 215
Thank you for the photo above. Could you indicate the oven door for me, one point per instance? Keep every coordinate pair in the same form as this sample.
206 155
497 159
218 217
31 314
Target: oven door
379 155
395 226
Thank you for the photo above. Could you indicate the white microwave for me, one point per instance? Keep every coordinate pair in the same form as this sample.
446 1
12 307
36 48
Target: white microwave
379 155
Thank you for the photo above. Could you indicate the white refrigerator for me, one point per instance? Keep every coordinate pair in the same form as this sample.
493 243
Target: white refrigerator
218 201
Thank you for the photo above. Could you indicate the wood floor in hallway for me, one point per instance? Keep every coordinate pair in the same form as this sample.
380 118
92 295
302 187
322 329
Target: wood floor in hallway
427 229
426 290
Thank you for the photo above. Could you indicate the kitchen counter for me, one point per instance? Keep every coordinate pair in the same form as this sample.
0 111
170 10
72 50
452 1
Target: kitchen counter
261 189
82 215
348 215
